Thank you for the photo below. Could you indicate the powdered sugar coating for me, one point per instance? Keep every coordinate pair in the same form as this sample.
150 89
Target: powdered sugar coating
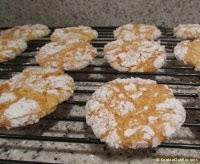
69 55
26 32
9 49
123 122
187 31
137 31
7 96
135 56
19 112
74 33
188 52
32 94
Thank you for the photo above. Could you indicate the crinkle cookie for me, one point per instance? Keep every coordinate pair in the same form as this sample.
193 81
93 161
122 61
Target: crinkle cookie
134 113
73 33
32 94
9 49
26 32
70 55
189 53
187 31
137 31
134 55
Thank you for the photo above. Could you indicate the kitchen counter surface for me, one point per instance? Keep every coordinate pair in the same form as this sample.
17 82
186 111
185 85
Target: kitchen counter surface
99 13
93 13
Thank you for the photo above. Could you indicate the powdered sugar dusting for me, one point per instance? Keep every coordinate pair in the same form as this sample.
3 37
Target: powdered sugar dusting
148 132
74 33
9 49
136 53
181 50
130 132
151 119
129 87
177 118
129 32
50 85
187 31
160 61
155 142
136 95
52 48
187 51
17 112
7 96
113 139
102 122
125 107
26 32
125 123
66 55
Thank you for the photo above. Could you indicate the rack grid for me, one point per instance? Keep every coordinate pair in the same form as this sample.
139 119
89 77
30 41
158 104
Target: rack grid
183 79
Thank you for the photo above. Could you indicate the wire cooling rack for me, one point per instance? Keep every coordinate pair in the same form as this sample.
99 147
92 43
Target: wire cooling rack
181 78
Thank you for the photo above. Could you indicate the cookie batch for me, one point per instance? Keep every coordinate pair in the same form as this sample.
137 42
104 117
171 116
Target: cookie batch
69 50
123 113
13 40
188 51
135 49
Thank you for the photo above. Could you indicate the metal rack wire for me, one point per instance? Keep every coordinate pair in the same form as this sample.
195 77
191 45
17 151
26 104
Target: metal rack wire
178 76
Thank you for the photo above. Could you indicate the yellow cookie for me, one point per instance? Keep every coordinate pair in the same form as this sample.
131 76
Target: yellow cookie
189 53
187 31
73 33
32 94
9 49
26 32
137 31
70 55
135 55
134 113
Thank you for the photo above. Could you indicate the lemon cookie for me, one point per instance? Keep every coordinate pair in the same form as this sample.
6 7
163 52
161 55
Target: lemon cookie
189 52
71 55
26 32
187 31
137 31
9 49
72 33
135 56
134 113
32 94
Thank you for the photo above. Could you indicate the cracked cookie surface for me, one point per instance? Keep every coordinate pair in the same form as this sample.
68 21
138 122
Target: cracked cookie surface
9 49
189 52
83 33
32 94
68 55
137 31
135 55
26 32
134 113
